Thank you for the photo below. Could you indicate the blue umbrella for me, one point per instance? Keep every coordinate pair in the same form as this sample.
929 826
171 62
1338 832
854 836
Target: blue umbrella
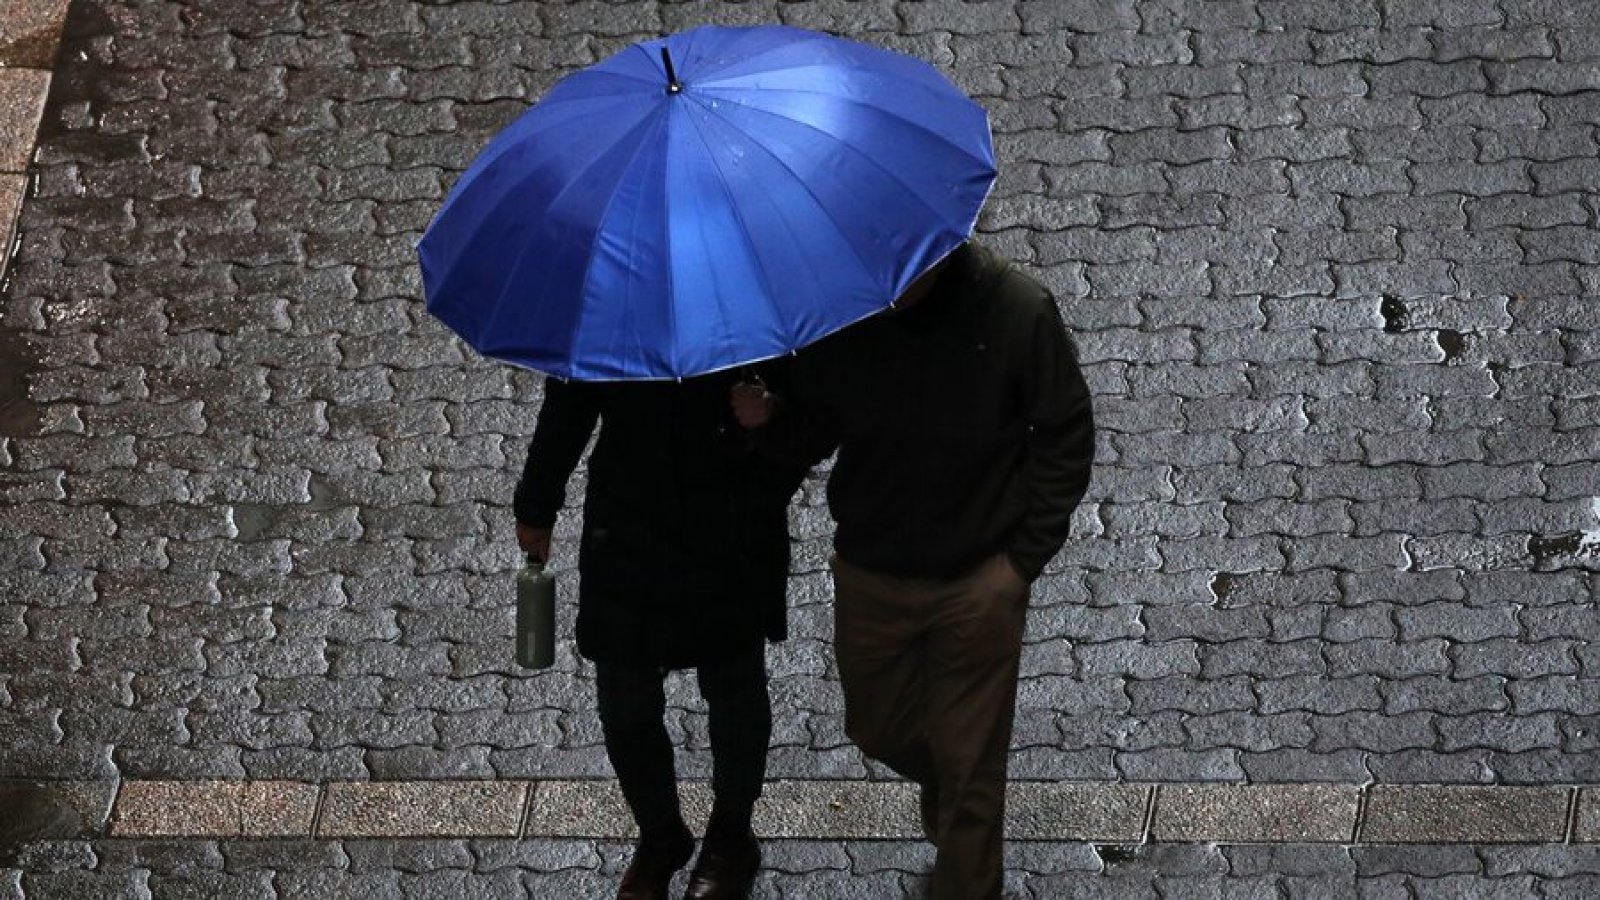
712 198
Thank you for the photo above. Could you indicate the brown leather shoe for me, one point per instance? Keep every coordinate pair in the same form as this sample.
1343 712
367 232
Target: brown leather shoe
725 870
649 875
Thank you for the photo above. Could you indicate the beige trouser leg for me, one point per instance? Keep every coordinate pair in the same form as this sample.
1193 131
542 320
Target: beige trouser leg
929 670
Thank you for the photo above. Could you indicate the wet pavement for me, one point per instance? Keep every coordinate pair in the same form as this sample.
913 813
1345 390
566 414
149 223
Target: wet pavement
1324 628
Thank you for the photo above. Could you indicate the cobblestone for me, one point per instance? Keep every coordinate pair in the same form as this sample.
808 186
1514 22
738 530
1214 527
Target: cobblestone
1327 262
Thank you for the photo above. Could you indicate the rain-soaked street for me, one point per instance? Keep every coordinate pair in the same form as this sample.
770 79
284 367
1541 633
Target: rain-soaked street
1324 627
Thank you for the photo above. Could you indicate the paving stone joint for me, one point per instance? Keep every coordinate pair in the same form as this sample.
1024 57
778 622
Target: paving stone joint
1326 625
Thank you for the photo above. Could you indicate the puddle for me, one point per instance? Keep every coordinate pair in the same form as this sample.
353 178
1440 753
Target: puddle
1396 318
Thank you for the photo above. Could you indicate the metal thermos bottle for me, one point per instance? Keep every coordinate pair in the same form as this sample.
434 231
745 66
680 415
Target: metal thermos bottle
536 616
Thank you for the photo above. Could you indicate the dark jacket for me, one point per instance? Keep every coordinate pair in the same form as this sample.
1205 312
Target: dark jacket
685 548
963 425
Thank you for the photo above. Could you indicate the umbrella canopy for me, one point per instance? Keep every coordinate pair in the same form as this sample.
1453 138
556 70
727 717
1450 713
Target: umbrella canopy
712 198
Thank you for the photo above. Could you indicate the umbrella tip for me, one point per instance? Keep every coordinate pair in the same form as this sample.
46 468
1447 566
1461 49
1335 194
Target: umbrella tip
673 86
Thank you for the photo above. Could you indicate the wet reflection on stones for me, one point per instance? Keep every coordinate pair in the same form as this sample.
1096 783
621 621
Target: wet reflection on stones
19 416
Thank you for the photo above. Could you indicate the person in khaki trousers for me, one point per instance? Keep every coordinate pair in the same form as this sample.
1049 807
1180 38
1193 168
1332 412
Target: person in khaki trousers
965 438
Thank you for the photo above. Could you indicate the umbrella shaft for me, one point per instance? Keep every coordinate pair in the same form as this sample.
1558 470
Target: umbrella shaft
672 74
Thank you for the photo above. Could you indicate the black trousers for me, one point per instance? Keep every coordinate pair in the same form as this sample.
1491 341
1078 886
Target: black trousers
632 709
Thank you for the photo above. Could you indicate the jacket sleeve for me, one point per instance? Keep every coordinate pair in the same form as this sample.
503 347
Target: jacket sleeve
797 434
1061 442
566 420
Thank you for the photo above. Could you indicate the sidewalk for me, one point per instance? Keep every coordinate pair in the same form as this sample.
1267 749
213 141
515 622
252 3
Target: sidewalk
1326 627
29 32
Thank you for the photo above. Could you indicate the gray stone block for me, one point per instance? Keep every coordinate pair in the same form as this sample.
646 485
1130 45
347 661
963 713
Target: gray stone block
1296 766
1371 45
421 809
1322 15
1182 81
1167 764
1229 814
1131 48
22 97
223 809
1248 731
822 809
1150 696
1231 111
1203 622
1289 518
1317 694
1499 732
1138 659
1417 766
1445 814
1061 811
1261 659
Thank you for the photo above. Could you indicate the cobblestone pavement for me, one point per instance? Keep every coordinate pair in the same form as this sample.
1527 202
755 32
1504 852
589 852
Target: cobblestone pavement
850 871
1333 269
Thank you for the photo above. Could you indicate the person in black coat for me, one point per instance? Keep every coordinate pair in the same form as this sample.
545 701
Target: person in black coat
683 563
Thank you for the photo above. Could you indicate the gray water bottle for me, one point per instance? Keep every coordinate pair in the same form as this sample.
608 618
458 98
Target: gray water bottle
536 616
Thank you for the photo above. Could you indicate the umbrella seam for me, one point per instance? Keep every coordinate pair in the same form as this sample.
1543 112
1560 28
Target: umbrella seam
853 150
503 143
966 234
801 37
823 206
475 170
910 123
805 186
588 272
687 40
744 230
530 246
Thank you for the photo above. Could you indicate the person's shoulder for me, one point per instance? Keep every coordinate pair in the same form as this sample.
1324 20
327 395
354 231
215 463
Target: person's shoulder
1011 288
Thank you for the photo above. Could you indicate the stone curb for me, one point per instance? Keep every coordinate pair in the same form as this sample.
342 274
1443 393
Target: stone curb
1267 813
1111 813
235 809
30 31
1467 814
422 809
22 96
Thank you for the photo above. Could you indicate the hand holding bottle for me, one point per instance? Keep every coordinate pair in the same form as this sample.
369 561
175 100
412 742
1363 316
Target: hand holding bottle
534 541
536 601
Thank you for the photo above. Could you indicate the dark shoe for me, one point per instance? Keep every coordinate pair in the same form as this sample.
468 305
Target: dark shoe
649 876
726 869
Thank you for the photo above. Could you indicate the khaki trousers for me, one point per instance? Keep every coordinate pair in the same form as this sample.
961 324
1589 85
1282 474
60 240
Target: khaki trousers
929 670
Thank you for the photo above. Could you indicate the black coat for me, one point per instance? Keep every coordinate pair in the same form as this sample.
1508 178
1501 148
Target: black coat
963 425
685 547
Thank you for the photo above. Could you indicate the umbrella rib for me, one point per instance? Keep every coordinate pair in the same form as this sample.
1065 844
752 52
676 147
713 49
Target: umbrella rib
657 121
803 38
529 246
744 232
888 172
722 79
487 159
845 100
501 145
806 186
687 41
